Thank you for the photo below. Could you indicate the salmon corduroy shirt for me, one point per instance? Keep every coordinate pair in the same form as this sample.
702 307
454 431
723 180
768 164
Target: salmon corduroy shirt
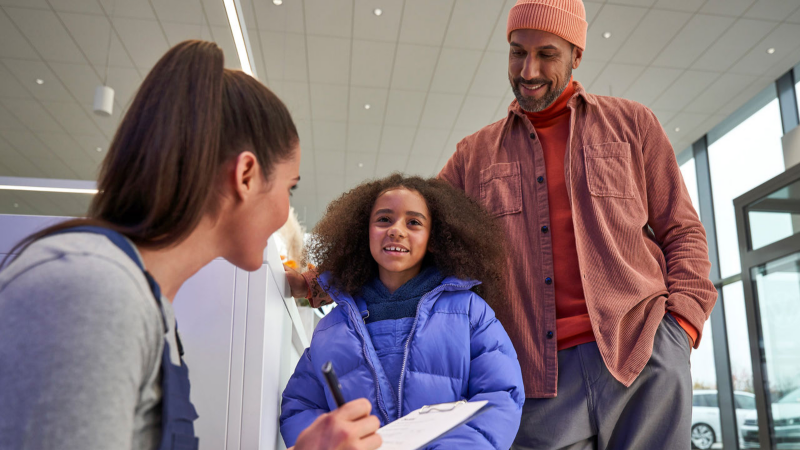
573 326
641 247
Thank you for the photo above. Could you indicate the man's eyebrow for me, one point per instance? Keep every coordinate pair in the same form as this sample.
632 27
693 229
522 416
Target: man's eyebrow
543 47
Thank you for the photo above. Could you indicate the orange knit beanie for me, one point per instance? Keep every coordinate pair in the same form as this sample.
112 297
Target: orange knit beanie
564 18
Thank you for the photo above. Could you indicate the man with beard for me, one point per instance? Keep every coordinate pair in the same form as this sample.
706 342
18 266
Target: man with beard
607 286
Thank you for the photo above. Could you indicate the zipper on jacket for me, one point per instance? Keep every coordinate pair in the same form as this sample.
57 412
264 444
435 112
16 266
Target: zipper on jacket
369 363
438 289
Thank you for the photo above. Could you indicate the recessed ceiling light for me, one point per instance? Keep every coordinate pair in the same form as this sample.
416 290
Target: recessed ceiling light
367 106
677 129
99 149
771 50
277 2
607 34
360 164
378 11
16 205
39 81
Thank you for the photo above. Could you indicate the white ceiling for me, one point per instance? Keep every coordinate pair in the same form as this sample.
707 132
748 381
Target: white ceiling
432 71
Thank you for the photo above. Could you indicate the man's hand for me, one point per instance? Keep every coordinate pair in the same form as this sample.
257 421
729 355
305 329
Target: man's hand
350 427
296 282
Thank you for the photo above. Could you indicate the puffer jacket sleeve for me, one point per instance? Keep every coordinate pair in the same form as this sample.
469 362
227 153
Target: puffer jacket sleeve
494 375
303 400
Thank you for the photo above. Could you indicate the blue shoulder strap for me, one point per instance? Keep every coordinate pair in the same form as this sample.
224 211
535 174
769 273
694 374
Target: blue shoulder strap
123 244
115 237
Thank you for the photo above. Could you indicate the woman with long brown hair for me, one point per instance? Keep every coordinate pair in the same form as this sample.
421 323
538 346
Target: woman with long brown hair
200 167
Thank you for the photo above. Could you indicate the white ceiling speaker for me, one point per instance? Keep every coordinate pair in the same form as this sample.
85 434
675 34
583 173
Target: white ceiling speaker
103 101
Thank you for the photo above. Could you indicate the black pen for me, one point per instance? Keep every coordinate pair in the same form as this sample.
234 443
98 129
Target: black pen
333 383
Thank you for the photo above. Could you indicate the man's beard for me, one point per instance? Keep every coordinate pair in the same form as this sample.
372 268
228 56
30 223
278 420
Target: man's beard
530 104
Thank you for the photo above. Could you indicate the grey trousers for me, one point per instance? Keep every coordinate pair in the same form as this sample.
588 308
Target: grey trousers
595 411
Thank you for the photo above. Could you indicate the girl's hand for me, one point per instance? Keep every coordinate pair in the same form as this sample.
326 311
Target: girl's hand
297 283
300 285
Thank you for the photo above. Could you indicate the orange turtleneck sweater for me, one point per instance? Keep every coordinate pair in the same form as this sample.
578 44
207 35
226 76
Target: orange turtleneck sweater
572 317
573 326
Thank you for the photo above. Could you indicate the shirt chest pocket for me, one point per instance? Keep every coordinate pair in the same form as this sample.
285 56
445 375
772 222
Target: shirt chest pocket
608 170
501 189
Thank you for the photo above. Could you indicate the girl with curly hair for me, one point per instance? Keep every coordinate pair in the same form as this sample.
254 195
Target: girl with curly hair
407 261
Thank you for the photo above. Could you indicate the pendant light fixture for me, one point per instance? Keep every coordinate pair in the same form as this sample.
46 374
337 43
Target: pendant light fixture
103 94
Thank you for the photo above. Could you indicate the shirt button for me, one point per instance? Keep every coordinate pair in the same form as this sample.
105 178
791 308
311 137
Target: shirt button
540 179
545 229
548 280
533 136
549 335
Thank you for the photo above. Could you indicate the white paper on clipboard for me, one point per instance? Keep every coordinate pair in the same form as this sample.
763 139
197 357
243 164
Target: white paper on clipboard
423 426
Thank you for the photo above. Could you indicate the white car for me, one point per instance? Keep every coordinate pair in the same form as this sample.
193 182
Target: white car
785 420
706 429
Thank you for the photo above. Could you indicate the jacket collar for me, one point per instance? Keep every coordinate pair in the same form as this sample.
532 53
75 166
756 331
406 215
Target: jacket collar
580 93
450 283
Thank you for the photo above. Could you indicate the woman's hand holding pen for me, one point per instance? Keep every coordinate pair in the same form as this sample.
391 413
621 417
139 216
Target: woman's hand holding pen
350 427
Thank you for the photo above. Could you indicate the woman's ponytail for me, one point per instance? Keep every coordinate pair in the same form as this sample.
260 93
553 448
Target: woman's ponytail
170 140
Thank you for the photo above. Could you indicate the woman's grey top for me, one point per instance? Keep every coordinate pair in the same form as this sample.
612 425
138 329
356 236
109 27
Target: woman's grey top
81 338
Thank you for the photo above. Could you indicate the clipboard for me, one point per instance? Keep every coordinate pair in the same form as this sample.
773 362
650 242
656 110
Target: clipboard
428 424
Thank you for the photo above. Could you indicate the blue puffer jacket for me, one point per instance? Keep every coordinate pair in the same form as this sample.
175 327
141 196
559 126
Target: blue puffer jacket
457 350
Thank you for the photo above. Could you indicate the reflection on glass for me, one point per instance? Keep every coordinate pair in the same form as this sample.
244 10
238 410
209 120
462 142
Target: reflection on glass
745 157
775 216
741 364
706 431
689 173
777 286
797 86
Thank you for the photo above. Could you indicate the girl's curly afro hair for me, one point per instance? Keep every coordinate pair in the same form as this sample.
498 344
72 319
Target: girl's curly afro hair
464 242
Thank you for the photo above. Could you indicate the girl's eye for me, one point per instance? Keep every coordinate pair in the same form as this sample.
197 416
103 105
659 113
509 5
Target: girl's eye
382 219
415 222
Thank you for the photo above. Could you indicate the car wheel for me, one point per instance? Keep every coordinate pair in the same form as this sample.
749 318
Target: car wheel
703 436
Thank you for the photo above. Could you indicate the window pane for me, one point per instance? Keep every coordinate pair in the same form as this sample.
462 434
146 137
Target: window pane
775 217
797 85
777 286
690 179
741 365
706 432
746 156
